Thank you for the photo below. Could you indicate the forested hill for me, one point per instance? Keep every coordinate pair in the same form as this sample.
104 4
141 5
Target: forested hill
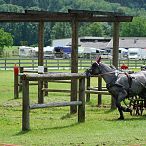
130 3
27 32
62 5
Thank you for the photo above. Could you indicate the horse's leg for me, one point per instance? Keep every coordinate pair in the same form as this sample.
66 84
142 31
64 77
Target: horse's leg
121 97
118 105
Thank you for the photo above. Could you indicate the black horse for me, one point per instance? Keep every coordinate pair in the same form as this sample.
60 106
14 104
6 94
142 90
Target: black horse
120 85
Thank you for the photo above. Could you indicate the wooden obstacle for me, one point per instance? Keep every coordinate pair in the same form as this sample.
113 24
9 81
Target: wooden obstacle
18 81
26 78
99 90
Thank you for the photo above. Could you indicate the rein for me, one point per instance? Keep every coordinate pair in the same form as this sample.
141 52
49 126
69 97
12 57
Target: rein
106 73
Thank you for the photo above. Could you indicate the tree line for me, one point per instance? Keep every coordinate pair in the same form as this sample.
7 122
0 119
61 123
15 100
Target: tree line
27 33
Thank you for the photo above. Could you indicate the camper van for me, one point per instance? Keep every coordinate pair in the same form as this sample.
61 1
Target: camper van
49 52
136 53
123 53
26 51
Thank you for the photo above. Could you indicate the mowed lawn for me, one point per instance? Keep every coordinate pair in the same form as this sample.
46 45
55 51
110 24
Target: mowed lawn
56 127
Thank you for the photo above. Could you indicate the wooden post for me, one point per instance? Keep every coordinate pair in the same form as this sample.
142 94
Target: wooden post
20 85
116 27
74 64
16 91
25 106
46 82
116 44
40 58
99 89
88 86
81 108
16 87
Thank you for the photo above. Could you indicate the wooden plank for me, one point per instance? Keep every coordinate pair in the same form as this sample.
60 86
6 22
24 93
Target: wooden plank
53 76
68 91
97 92
30 84
59 17
94 12
56 90
55 104
96 88
30 71
59 81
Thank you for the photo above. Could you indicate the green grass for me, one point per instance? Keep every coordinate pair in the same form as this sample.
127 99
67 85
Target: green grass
56 127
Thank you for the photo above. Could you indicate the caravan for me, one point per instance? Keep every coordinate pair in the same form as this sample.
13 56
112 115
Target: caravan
49 52
123 53
136 53
26 51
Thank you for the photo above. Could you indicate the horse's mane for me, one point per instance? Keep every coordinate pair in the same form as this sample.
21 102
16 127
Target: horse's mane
110 68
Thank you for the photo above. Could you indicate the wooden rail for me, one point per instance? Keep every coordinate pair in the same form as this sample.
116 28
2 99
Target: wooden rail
55 104
26 78
8 63
68 91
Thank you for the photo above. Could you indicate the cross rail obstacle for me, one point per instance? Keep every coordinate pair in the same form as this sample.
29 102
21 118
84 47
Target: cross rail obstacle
26 78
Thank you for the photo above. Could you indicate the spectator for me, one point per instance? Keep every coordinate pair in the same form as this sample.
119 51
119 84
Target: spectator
124 67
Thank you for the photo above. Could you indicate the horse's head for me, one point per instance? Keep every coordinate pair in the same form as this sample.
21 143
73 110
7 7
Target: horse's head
95 68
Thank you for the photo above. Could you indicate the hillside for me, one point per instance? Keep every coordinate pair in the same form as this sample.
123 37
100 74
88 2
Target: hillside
130 3
26 33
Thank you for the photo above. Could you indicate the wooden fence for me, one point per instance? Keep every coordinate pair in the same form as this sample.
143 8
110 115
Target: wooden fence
46 77
6 63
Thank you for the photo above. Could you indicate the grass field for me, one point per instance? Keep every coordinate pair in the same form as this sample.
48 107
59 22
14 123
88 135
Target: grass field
56 127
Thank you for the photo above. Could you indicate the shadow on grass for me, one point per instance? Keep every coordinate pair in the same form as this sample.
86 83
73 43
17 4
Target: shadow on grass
22 133
131 118
60 127
52 128
109 111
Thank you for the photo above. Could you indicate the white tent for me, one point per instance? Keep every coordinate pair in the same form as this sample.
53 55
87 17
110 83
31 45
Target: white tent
89 50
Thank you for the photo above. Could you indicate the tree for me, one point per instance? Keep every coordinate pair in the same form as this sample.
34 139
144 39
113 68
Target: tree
6 39
136 28
91 29
61 30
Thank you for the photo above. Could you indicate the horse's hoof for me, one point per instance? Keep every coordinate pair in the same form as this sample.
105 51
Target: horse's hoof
130 112
121 118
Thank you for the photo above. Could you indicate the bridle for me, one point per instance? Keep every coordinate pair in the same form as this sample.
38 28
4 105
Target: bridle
102 74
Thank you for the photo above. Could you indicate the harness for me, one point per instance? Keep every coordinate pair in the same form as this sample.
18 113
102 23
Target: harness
113 83
129 82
